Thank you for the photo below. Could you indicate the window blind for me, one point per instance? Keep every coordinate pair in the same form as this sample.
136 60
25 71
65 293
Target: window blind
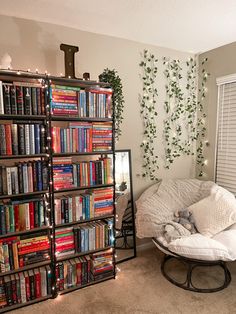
225 174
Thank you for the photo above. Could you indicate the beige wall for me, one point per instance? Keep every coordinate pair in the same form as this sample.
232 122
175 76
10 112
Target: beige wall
221 62
36 45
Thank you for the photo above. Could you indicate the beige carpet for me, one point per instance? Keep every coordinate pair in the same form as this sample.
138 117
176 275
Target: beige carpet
140 288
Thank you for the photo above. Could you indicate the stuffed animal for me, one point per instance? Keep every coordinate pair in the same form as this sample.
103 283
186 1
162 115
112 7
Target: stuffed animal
185 218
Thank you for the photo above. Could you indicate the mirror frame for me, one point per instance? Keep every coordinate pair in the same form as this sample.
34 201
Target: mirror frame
132 204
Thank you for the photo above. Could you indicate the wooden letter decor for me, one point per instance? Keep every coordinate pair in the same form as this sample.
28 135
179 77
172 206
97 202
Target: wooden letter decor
69 59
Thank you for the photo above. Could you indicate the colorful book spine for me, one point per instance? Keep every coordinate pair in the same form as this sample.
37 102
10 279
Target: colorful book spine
24 286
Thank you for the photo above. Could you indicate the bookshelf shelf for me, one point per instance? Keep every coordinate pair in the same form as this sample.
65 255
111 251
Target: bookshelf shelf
84 188
67 224
18 233
82 154
23 156
22 117
32 266
17 306
63 258
39 112
75 118
86 285
20 195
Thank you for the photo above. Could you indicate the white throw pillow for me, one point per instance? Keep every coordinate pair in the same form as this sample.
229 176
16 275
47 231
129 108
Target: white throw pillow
200 247
214 213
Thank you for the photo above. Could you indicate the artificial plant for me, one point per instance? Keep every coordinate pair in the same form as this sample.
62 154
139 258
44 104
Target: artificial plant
112 77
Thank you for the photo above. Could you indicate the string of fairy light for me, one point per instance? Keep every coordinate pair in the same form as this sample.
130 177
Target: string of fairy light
46 197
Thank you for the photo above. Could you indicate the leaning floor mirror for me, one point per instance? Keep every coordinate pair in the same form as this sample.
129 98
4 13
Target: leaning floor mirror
125 224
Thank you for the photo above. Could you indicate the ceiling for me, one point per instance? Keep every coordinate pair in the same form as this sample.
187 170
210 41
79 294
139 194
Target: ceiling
187 25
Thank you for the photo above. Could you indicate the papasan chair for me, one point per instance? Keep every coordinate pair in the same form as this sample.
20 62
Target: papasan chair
214 212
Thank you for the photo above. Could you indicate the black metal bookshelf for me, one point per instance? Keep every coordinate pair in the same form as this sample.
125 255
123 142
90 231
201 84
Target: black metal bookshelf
20 269
67 224
48 119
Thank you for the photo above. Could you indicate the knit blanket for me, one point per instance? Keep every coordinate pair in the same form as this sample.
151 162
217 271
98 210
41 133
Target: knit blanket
157 205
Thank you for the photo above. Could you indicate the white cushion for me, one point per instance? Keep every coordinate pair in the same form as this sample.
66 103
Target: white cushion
228 239
212 215
200 247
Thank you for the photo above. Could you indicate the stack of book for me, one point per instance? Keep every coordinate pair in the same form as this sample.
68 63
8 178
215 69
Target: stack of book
102 136
64 239
73 272
16 252
22 139
64 100
62 173
103 202
25 286
24 177
76 138
93 236
84 206
22 98
22 215
33 249
102 265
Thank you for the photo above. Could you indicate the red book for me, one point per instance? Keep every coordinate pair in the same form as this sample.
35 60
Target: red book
27 285
31 213
8 139
16 217
65 247
37 276
78 273
33 249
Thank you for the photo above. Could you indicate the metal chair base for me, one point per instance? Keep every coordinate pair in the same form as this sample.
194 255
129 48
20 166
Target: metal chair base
191 265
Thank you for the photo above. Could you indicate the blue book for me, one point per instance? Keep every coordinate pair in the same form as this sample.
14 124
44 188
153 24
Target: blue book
86 239
61 141
82 240
37 138
3 229
39 176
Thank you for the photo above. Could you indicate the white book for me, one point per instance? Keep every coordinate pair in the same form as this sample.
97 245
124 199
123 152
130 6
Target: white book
27 139
43 275
14 175
32 139
22 288
1 99
27 216
9 182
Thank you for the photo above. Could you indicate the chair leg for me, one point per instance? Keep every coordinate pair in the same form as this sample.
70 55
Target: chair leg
191 265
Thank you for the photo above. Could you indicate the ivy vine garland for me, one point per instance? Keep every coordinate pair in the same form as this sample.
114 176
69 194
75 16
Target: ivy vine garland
201 127
184 125
112 77
148 112
174 108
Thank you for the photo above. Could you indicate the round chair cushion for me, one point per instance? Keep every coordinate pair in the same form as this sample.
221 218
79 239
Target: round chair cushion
196 246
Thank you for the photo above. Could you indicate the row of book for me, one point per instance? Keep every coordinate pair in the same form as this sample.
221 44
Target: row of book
25 286
84 238
95 103
22 98
82 270
24 215
24 177
92 102
17 252
82 137
22 139
67 175
73 272
86 205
